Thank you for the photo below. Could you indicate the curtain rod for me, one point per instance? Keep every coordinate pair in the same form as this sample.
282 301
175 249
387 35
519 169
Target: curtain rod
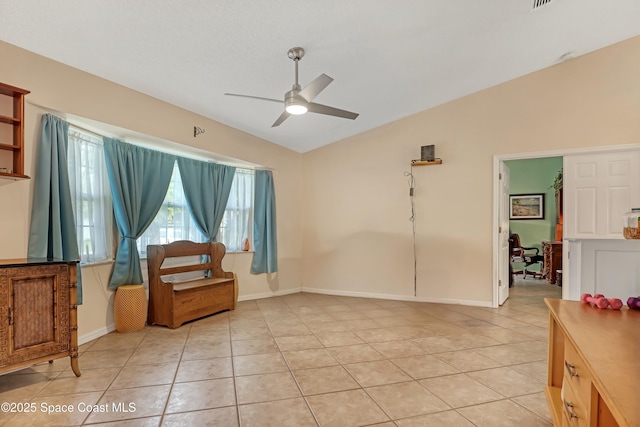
84 129
66 119
58 113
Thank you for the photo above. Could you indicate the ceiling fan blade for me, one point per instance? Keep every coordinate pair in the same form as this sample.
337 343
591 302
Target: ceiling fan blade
315 87
331 111
280 119
280 101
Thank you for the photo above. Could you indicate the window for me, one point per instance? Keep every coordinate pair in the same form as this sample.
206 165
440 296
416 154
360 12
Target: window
238 216
173 221
93 208
90 196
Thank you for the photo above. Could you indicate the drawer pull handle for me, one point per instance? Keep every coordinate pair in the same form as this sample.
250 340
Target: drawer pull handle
568 408
571 369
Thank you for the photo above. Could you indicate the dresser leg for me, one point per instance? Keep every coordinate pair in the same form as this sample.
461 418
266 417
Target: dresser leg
74 365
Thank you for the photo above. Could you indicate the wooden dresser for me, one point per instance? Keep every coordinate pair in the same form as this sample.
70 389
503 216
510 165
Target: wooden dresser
552 260
38 313
594 365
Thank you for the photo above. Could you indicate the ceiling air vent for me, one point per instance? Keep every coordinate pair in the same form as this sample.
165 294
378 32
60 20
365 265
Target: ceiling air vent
539 3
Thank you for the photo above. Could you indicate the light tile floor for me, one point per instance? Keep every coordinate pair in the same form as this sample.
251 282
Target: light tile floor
307 360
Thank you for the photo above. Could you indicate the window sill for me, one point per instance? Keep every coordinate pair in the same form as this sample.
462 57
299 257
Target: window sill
97 263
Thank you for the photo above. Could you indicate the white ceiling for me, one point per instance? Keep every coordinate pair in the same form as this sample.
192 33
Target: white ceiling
389 59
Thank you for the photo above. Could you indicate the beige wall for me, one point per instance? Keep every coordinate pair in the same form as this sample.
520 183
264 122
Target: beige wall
349 214
356 228
64 89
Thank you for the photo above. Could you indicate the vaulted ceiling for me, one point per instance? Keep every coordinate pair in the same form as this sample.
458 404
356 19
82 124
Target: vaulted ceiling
389 59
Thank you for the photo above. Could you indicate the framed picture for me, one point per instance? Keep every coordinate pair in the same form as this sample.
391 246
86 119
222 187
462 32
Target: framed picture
526 206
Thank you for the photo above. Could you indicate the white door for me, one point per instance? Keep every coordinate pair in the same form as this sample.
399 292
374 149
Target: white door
599 188
503 235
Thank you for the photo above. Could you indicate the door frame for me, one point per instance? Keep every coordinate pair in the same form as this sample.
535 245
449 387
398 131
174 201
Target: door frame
497 193
504 256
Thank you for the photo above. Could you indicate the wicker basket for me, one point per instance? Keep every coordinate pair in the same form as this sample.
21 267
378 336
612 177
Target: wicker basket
130 308
631 233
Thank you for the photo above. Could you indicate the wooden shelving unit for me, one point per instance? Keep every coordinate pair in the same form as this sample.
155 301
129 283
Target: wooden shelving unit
12 132
426 163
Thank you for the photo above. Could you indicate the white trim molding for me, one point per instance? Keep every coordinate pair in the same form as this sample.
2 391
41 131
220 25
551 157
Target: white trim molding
409 298
261 295
97 333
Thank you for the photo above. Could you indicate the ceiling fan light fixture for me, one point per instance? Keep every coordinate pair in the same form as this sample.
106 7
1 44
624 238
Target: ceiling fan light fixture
299 100
296 109
293 103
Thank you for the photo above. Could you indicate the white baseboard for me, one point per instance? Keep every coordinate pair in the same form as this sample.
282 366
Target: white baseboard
96 334
410 298
269 294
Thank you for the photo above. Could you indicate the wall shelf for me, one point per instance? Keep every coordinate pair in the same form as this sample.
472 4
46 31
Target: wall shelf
11 133
426 163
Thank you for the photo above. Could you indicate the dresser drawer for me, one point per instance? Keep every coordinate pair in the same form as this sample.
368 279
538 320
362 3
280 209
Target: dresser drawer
576 373
575 412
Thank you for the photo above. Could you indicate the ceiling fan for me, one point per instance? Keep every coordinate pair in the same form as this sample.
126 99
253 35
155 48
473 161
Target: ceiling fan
298 100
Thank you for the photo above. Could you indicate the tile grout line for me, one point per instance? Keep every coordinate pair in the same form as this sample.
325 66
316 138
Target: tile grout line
115 377
277 314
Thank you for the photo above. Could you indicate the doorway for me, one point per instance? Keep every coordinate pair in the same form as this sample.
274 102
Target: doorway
572 267
523 176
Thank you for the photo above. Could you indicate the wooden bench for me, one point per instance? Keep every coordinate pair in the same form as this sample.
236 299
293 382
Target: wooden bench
173 302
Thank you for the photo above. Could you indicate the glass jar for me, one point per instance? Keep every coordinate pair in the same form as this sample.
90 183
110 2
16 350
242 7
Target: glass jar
632 224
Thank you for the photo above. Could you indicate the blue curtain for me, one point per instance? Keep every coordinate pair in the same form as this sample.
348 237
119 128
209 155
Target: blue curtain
139 179
265 257
206 187
53 230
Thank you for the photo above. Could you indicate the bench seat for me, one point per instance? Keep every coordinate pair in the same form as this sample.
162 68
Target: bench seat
172 303
197 283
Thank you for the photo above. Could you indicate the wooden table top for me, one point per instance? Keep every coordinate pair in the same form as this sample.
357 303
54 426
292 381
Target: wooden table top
17 262
609 341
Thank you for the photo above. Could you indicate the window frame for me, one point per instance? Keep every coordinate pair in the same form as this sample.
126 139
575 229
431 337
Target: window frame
111 232
91 141
230 249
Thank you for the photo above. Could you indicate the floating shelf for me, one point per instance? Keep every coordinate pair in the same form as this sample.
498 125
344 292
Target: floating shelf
426 163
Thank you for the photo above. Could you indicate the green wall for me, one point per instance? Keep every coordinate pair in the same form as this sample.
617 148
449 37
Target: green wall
535 176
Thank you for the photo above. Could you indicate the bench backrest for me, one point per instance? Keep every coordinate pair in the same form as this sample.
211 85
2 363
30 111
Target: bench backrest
156 254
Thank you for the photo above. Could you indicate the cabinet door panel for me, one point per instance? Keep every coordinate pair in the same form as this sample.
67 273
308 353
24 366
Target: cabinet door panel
34 311
39 307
